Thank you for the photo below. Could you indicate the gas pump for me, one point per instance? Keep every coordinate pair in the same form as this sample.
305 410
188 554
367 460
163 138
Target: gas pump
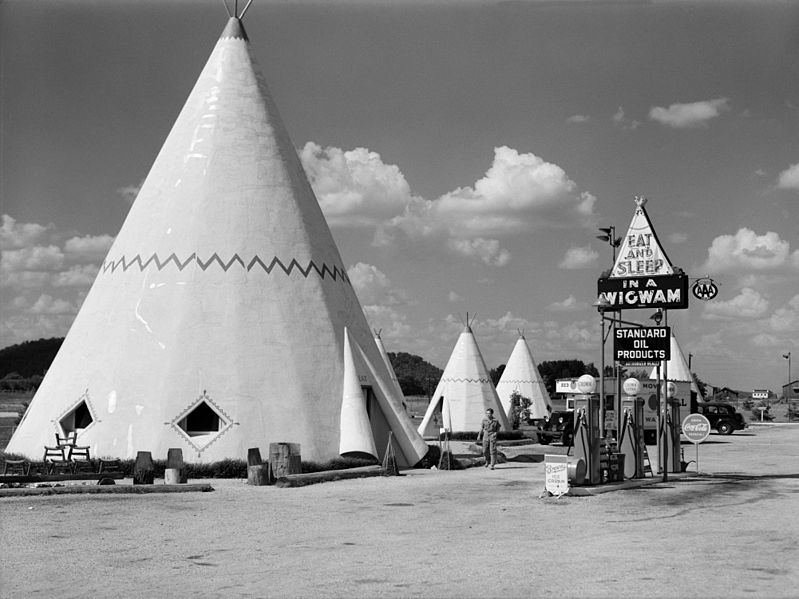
675 453
631 440
586 435
670 429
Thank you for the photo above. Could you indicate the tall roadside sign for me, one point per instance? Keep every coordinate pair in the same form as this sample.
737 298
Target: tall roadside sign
642 277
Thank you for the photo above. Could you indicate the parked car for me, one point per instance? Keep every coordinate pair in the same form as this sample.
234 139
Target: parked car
558 426
722 416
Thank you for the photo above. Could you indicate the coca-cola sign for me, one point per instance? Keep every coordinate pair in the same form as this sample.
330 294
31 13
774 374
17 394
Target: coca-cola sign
696 428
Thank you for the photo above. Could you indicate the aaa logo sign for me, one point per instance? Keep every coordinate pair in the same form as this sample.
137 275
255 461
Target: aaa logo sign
705 289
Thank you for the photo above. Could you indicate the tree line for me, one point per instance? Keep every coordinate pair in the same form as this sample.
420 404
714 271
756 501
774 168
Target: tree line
22 367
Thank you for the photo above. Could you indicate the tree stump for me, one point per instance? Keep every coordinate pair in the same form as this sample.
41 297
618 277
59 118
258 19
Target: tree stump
258 475
144 469
254 457
284 458
175 473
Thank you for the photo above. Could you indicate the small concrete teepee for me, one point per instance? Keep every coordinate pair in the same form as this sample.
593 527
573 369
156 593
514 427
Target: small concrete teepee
222 317
464 392
521 375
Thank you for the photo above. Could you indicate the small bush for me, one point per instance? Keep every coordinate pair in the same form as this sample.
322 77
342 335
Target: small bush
431 458
472 436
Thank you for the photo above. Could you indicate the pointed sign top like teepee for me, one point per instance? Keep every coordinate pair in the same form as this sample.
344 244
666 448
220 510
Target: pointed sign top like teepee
641 254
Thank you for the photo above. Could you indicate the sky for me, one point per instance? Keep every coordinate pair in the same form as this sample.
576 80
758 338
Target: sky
464 154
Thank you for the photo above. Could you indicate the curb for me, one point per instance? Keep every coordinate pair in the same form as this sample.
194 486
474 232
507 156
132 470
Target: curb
107 490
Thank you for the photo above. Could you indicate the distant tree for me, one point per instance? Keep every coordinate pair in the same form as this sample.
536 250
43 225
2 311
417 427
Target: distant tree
415 375
699 383
496 373
564 369
29 358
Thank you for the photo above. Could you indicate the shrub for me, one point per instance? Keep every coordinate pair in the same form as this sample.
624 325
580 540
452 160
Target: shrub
472 436
431 458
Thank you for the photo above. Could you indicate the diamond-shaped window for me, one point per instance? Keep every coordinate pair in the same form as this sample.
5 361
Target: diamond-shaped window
202 420
78 418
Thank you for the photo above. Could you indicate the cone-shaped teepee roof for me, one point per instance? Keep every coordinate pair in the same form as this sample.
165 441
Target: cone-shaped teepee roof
521 375
464 392
217 321
676 368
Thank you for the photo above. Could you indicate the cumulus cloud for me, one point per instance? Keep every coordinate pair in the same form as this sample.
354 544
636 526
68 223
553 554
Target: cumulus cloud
578 119
392 324
786 319
50 277
355 187
93 247
47 304
454 297
570 304
508 323
487 250
747 251
15 235
621 120
789 178
35 258
76 276
690 115
579 257
372 286
677 238
747 305
519 192
129 193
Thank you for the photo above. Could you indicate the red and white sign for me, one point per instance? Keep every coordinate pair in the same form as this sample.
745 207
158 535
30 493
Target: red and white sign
696 428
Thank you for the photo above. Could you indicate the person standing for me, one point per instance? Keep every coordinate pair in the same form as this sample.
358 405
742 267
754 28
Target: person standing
489 428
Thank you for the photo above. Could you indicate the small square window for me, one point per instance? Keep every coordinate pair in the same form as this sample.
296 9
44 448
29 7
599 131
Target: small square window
77 418
202 420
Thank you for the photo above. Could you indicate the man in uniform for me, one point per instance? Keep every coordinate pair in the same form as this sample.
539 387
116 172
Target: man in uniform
489 428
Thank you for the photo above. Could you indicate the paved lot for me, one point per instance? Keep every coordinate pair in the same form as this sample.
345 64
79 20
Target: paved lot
729 532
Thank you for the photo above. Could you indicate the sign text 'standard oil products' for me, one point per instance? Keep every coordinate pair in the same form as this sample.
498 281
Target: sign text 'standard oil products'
645 344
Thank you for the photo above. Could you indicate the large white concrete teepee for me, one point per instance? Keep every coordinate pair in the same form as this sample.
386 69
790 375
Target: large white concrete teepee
217 321
521 375
464 392
676 368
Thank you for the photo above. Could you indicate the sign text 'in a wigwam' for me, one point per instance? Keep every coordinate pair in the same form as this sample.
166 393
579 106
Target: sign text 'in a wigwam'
667 291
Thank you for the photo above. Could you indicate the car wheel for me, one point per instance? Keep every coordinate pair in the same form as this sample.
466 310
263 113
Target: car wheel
725 428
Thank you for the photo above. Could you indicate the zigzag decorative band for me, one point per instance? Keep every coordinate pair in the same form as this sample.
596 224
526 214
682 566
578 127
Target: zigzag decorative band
336 273
448 380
